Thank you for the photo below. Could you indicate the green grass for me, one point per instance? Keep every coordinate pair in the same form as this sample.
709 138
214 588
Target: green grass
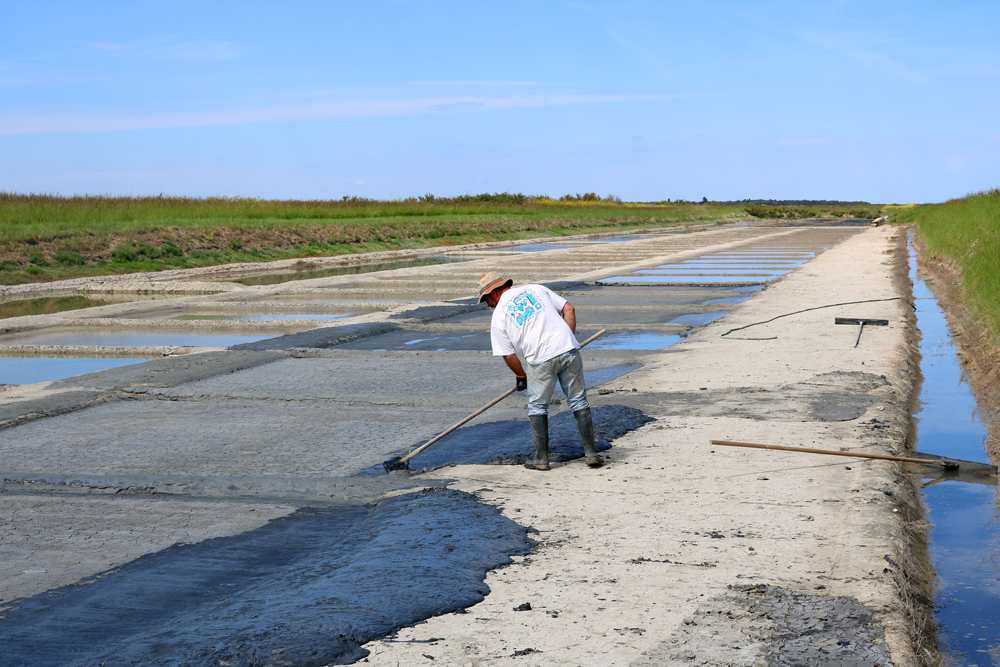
966 231
45 238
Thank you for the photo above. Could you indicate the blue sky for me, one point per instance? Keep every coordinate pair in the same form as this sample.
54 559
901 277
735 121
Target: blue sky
878 101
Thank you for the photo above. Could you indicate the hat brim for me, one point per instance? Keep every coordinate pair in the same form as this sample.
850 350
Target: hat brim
494 285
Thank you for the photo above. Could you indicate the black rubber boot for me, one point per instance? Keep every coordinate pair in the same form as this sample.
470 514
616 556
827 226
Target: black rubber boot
540 433
586 426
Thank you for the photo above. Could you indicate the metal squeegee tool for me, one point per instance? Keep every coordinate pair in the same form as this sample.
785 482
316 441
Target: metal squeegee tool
861 322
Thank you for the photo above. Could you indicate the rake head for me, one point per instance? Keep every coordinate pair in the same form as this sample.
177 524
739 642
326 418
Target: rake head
395 463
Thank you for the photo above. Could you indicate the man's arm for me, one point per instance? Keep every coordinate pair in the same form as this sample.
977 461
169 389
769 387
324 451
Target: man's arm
569 315
514 364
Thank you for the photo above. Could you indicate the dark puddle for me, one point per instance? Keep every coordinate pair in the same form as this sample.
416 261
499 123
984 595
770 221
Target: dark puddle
29 370
48 305
112 338
510 443
308 273
306 589
965 541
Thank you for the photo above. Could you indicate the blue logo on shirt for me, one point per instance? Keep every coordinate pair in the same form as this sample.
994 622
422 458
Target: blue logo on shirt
523 307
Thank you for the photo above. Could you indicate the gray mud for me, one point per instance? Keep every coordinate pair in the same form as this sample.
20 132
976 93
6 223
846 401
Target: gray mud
510 442
307 589
829 397
762 625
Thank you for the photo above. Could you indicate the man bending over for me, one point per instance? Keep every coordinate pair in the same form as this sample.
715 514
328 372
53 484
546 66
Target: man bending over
540 325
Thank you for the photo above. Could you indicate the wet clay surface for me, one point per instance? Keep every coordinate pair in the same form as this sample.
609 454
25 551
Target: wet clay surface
297 591
510 443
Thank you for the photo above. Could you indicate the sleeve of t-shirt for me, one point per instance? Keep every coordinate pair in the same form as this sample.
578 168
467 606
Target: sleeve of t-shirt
500 342
556 300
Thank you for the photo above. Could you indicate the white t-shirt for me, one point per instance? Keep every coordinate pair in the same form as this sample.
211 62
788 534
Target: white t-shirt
527 321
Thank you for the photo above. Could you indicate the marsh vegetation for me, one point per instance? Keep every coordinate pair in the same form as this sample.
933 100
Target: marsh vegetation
46 237
964 235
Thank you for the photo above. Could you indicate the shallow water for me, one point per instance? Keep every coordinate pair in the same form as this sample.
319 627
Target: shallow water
698 319
965 542
533 247
112 338
741 263
634 340
52 304
29 370
683 279
621 239
267 317
727 301
309 274
686 270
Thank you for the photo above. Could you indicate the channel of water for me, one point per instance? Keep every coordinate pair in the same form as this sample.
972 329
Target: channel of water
965 541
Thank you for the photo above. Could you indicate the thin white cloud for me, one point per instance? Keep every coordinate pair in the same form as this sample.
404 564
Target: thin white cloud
110 121
644 52
803 141
860 50
485 83
167 49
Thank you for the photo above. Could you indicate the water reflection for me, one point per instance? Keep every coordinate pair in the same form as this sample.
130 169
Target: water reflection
306 273
135 338
29 370
964 542
267 317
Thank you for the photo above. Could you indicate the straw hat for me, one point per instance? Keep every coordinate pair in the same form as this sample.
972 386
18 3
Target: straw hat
490 281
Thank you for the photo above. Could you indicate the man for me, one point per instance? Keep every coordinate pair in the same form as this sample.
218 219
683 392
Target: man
540 325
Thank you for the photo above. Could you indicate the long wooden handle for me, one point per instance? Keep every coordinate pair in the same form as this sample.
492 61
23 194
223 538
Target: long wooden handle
857 455
481 410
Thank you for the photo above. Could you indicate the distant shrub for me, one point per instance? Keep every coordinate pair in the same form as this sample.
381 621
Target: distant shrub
37 258
34 271
69 258
495 198
235 244
124 253
780 212
171 250
587 196
149 251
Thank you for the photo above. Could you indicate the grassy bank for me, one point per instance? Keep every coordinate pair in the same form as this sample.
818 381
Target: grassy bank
45 238
965 233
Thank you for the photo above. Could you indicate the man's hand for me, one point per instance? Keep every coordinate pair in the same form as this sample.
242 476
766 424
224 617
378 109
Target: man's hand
522 382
